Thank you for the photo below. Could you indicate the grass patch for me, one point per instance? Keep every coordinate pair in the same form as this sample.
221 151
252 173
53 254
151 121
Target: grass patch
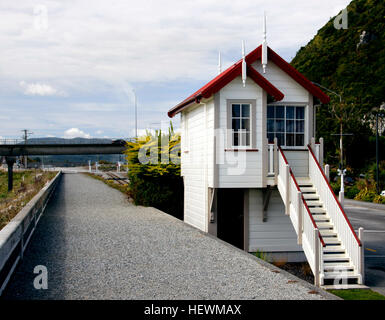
26 184
122 188
357 294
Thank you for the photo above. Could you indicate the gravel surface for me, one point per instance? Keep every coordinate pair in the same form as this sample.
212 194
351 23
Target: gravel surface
96 245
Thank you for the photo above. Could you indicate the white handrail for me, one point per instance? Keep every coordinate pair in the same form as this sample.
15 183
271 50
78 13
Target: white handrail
301 218
338 217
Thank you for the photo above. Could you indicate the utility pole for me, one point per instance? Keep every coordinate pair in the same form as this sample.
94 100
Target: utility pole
136 115
25 137
380 112
341 170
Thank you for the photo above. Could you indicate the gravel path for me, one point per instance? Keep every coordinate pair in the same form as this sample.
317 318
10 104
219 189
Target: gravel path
96 245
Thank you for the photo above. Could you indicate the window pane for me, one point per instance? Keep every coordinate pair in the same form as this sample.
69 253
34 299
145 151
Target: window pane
299 139
280 112
289 125
270 137
245 139
235 139
300 126
290 139
246 110
245 124
300 112
280 125
270 112
289 112
236 110
236 124
270 125
281 139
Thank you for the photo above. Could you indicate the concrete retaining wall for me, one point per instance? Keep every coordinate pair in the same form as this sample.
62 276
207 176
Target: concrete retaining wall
14 237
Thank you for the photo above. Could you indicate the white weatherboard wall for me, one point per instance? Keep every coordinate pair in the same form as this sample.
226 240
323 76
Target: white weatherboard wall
277 234
249 171
197 162
292 90
299 162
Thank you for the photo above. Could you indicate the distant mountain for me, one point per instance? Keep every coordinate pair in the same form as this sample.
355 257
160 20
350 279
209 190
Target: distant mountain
55 140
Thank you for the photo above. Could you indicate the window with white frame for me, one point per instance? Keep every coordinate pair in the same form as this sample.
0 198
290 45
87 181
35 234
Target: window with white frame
287 123
240 124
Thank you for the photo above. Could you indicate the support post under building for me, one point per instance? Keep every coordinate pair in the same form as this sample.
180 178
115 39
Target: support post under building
10 162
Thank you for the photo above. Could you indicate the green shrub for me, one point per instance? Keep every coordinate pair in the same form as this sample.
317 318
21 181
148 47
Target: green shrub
154 172
379 199
335 186
351 192
262 255
366 195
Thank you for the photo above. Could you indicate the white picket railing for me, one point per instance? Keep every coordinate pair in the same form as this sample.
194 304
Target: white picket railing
283 180
312 244
345 232
301 218
270 150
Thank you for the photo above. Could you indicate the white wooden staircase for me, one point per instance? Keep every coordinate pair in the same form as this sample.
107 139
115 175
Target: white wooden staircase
332 248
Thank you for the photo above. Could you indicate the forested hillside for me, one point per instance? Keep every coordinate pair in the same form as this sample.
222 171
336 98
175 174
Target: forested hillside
350 62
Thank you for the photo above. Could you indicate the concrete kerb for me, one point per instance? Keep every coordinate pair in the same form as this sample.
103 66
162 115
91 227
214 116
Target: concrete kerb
15 236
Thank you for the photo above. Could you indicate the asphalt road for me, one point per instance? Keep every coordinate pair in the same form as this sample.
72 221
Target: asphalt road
372 219
96 245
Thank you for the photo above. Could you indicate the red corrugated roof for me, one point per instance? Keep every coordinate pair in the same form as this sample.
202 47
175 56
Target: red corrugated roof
235 70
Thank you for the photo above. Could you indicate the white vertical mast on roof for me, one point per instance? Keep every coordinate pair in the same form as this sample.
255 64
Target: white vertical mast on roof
243 64
264 45
219 63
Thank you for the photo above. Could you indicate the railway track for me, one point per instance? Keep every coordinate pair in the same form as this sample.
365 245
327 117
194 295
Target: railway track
121 181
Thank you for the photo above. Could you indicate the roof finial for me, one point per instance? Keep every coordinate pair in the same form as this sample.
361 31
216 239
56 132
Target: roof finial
219 63
243 65
264 45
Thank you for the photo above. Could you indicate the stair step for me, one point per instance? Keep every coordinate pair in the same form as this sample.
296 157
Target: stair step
317 210
338 266
314 203
308 190
333 249
344 286
328 233
304 182
345 274
320 217
332 241
311 196
324 225
335 257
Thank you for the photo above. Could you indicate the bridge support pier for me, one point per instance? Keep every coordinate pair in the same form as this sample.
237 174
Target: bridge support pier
10 162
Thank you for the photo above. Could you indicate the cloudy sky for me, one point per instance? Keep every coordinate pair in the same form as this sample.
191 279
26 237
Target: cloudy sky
68 68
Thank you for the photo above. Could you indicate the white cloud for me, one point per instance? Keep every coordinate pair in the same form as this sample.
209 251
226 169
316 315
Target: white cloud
99 131
38 89
75 133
